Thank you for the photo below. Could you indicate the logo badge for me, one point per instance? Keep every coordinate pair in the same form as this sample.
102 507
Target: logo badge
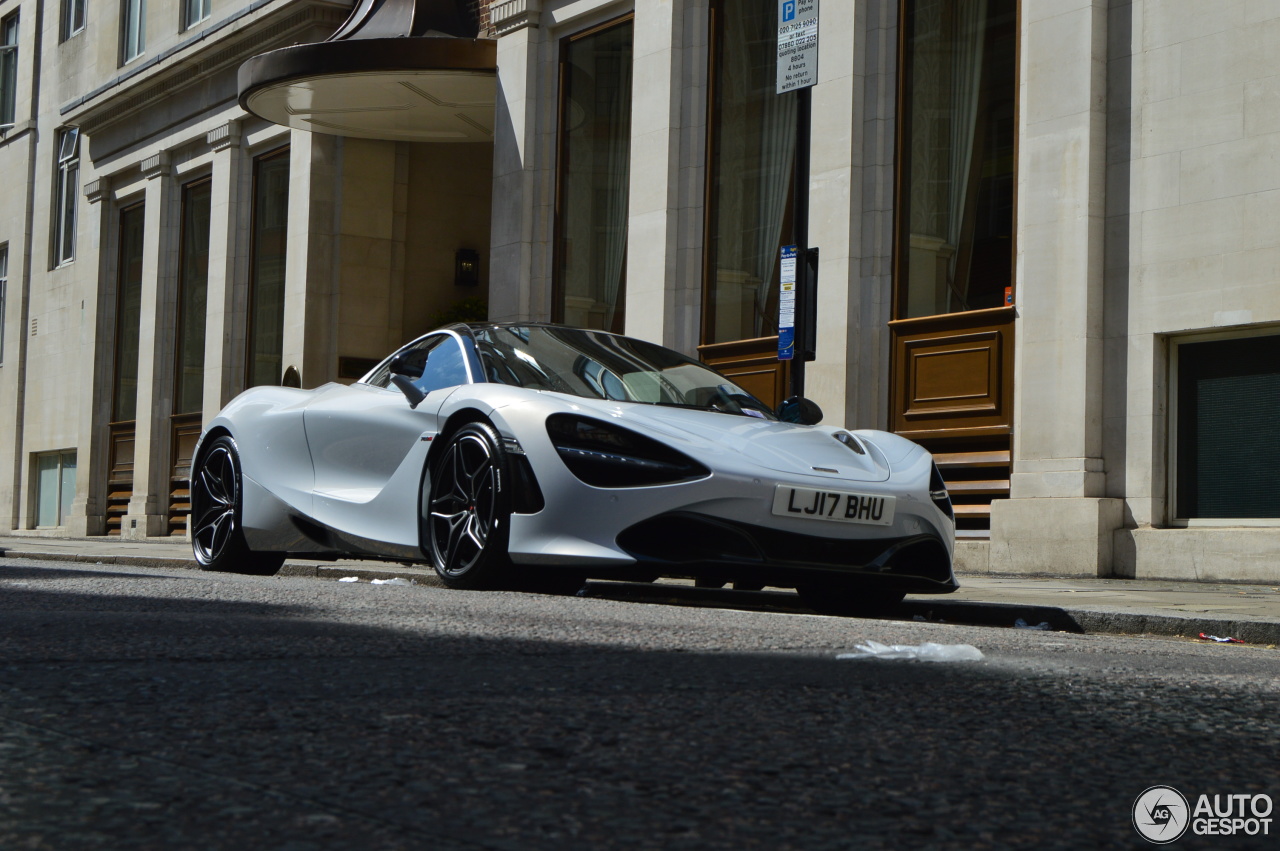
1161 815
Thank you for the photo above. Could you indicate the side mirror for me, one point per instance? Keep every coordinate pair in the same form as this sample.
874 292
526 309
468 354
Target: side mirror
800 410
403 372
402 364
408 388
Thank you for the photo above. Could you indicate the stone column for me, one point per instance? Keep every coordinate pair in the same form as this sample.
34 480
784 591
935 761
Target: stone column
88 509
523 149
224 321
668 138
310 268
148 507
1059 519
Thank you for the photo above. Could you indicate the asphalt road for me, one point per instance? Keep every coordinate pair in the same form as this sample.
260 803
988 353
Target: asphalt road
144 708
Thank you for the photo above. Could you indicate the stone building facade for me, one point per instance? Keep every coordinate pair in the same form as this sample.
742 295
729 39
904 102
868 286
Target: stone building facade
1045 232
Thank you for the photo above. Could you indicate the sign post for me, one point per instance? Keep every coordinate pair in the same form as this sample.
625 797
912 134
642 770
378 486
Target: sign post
797 44
797 304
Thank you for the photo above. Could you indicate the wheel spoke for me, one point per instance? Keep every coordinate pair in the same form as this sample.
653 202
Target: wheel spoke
210 518
222 528
453 545
477 535
219 478
214 531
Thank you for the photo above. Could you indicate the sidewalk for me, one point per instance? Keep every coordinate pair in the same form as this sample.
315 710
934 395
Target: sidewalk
1125 606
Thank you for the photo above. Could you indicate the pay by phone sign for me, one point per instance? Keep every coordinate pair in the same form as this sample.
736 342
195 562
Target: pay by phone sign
787 305
797 44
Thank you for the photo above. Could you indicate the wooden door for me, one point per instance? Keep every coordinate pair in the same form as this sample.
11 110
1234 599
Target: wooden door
753 365
952 391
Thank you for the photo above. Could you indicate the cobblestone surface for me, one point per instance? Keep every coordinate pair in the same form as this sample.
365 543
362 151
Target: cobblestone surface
146 709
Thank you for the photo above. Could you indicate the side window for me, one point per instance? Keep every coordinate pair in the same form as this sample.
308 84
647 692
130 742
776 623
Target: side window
445 367
436 361
412 359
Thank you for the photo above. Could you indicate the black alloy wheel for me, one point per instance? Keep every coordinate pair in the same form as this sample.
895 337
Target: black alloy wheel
468 511
217 536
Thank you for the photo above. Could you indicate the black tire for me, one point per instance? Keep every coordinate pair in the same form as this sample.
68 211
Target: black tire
850 602
217 532
466 512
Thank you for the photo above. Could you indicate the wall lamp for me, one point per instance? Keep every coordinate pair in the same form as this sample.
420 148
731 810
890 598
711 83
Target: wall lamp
466 267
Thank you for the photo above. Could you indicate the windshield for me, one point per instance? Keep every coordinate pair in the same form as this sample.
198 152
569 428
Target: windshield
605 366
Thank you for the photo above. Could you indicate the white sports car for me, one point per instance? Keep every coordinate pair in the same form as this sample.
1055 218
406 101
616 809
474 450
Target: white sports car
525 454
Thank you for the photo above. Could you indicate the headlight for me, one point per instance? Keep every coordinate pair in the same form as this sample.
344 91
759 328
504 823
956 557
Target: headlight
938 492
607 456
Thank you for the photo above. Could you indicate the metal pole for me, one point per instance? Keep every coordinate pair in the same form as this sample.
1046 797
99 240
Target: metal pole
805 281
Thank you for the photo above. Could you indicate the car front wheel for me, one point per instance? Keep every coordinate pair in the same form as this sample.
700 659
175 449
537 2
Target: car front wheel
467 511
217 533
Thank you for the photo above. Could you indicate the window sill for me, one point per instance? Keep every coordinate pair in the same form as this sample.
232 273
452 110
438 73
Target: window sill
1226 523
12 132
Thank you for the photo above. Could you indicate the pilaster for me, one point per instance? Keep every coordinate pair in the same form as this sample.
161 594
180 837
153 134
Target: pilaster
88 507
1059 519
224 323
148 507
519 255
310 266
668 134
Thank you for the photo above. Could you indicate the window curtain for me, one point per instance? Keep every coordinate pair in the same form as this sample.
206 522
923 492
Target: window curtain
593 195
777 156
751 191
617 191
966 81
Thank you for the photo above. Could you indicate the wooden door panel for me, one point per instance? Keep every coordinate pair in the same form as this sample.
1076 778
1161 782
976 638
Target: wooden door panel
184 434
953 375
119 475
753 365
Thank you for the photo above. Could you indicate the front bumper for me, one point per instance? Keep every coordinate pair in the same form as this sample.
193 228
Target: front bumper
710 547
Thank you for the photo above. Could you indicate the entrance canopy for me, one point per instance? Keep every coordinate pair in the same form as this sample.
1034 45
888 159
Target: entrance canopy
401 70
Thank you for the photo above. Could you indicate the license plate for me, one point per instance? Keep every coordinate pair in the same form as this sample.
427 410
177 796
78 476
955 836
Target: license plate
838 506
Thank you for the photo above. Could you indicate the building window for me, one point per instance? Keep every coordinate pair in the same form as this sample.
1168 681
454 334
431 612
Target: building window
594 172
67 183
193 286
72 17
4 294
55 487
267 265
195 11
956 161
128 314
750 196
1227 445
133 29
8 70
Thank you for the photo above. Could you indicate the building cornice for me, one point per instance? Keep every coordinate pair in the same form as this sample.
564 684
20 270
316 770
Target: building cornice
507 16
215 48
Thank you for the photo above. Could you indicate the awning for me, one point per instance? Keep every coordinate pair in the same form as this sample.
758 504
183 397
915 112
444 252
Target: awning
404 70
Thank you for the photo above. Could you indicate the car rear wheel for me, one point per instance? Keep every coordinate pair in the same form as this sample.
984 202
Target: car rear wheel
217 532
467 511
850 602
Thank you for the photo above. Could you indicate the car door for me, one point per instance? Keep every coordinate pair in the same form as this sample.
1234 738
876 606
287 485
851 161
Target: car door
368 446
